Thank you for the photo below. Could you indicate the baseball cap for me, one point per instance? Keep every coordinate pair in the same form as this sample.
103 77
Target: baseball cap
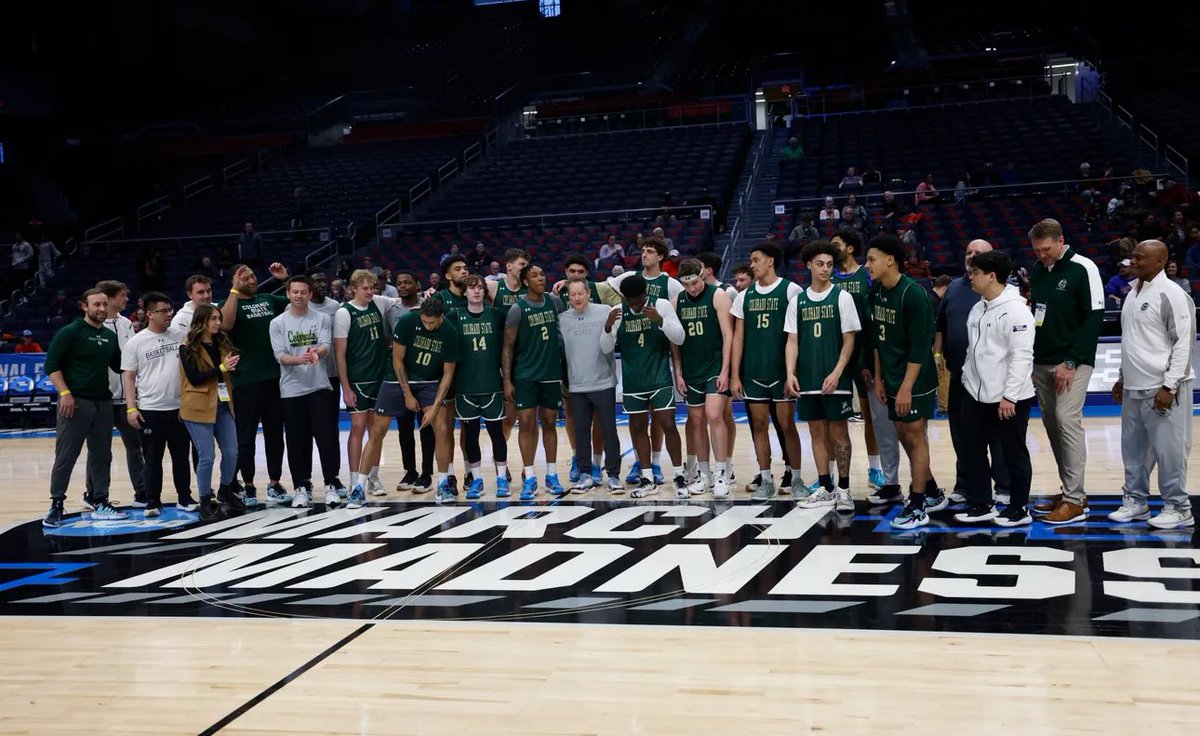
674 252
27 333
1126 262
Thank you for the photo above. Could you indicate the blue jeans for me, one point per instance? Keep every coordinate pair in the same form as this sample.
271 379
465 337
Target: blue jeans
224 432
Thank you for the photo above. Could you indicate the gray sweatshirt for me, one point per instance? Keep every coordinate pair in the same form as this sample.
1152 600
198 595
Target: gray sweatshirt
294 335
588 368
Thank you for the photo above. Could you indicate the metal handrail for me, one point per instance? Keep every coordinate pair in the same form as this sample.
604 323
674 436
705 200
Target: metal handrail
331 246
447 170
864 197
416 193
497 219
1144 131
1127 123
197 187
235 169
393 207
116 226
153 208
211 236
1180 163
352 230
472 152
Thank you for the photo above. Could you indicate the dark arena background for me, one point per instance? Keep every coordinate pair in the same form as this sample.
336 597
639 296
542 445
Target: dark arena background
147 143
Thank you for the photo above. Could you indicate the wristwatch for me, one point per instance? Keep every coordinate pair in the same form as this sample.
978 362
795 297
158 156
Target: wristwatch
1070 364
1170 390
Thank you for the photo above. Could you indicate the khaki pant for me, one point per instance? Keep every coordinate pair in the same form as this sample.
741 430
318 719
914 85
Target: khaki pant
1062 415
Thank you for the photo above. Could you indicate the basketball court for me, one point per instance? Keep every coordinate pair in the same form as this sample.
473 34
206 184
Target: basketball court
593 615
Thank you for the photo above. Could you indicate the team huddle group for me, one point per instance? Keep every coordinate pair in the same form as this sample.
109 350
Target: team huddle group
508 352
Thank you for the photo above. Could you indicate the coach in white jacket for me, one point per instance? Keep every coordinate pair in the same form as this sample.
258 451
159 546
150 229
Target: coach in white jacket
1158 331
998 390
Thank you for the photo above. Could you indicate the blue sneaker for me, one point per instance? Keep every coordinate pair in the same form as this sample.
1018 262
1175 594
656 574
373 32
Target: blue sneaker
529 489
447 490
659 478
475 490
911 517
277 495
635 474
876 479
502 488
573 474
357 498
597 476
556 489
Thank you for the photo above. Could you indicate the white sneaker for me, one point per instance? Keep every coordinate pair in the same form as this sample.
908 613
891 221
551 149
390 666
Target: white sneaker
682 490
845 502
585 485
375 487
331 497
720 487
957 497
615 486
700 484
1131 510
1173 519
300 499
822 499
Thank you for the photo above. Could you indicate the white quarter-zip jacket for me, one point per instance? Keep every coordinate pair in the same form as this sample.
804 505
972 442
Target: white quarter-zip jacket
1157 335
999 361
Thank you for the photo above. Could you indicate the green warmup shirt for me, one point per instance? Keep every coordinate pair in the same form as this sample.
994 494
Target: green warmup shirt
251 335
426 352
645 353
859 285
700 353
902 332
506 297
537 355
367 356
84 354
480 343
819 321
763 311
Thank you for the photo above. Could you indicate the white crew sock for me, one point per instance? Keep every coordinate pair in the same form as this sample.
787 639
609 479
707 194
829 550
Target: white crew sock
374 475
656 458
722 469
873 462
355 479
766 475
501 469
703 466
530 471
442 477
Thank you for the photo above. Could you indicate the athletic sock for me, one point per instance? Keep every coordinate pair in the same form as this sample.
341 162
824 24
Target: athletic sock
873 462
442 477
722 469
826 482
597 461
656 458
374 474
766 476
530 471
844 483
355 479
501 469
690 463
551 469
703 466
931 487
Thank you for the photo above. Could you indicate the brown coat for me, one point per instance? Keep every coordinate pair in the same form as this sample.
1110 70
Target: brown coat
199 403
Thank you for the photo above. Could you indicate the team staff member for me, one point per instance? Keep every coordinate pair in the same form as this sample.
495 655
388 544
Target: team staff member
151 364
118 299
246 315
206 407
199 291
1068 308
905 377
80 356
997 391
1158 332
300 339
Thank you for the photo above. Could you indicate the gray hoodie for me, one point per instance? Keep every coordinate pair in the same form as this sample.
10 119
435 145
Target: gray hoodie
588 367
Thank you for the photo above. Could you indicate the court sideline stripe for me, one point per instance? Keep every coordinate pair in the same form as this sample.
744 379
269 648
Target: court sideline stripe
291 676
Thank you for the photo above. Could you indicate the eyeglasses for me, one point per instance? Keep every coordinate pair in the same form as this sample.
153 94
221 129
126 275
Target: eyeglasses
164 310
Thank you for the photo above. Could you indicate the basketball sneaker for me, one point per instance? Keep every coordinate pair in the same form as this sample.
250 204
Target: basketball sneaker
956 498
583 485
1173 519
635 474
976 513
886 495
876 480
502 490
597 476
1013 516
910 517
186 503
785 480
615 486
845 502
936 503
153 509
375 487
822 498
556 489
801 491
54 517
681 487
447 490
302 497
332 496
229 495
1132 509
249 496
209 508
764 492
91 502
474 489
755 482
1003 497
701 484
406 483
646 487
529 489
573 473
340 487
104 511
357 498
424 484
720 487
659 478
277 495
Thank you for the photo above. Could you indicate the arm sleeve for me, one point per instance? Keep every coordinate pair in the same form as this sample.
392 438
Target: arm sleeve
614 282
736 309
848 312
1178 310
278 339
341 323
195 375
608 340
60 348
1091 313
789 320
1021 332
671 325
917 314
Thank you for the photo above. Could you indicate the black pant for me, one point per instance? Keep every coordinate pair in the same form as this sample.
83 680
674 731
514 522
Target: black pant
305 419
408 447
603 404
135 463
254 403
981 422
472 451
997 466
161 432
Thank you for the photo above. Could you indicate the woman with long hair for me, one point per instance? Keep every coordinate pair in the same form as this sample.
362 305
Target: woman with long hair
206 360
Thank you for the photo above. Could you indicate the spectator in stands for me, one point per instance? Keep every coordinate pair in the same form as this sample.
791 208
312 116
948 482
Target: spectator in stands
829 211
446 256
369 265
1192 261
914 266
29 345
251 250
891 208
344 270
22 262
337 290
927 193
1117 287
1176 238
59 308
388 289
435 282
205 267
793 151
851 182
479 258
963 190
1088 188
989 175
1173 274
494 273
658 233
670 266
611 252
666 208
1173 195
301 209
805 231
47 252
1107 176
854 215
152 270
224 260
907 235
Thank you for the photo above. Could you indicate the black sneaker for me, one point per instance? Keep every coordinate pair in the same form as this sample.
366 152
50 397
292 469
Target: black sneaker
229 496
406 483
452 485
187 503
976 513
53 518
248 494
423 485
209 509
1014 516
886 495
785 480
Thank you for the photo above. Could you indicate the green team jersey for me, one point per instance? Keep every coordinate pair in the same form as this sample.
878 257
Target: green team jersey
537 355
251 334
819 341
426 352
902 333
480 343
594 292
454 303
700 353
859 285
656 288
368 358
763 338
506 297
645 353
